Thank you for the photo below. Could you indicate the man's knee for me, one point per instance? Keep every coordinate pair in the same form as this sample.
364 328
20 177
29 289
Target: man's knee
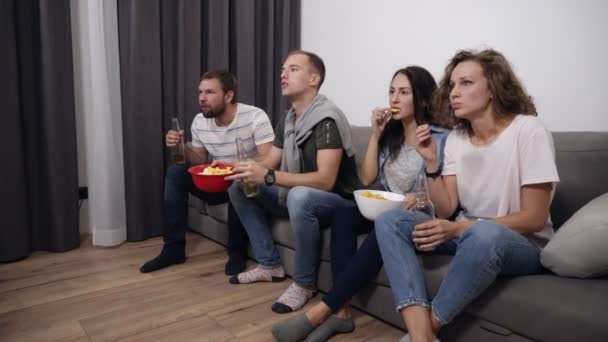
298 199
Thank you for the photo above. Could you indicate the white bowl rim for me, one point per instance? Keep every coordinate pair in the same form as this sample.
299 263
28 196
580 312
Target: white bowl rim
390 196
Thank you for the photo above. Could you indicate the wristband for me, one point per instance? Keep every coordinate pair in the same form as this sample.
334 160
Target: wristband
433 175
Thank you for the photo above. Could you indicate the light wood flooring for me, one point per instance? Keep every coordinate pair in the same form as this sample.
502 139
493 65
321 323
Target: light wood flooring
98 294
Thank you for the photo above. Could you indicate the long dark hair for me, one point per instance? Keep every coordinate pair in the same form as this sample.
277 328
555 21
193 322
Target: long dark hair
509 95
423 86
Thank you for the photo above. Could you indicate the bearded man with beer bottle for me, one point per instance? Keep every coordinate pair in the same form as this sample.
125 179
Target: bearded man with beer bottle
214 131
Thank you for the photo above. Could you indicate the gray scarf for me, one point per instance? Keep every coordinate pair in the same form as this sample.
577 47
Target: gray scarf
298 131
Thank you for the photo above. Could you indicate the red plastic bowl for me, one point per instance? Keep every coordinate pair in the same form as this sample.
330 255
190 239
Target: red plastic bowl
209 183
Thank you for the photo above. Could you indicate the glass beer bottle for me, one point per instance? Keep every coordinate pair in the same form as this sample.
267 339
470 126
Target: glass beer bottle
178 151
424 208
250 190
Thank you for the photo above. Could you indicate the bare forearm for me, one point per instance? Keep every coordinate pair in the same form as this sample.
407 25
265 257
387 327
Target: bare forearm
269 164
263 150
271 158
369 165
535 202
444 204
523 222
195 156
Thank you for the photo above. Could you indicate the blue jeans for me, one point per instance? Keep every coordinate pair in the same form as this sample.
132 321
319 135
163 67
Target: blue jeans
178 183
308 209
483 252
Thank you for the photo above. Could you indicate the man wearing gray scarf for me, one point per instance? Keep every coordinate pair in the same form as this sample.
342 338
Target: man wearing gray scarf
309 172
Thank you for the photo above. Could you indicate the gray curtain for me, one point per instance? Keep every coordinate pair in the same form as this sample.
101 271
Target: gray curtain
39 198
164 48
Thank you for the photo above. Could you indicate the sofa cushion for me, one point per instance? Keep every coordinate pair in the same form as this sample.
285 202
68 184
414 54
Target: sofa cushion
582 161
196 203
219 212
282 233
578 249
360 138
531 305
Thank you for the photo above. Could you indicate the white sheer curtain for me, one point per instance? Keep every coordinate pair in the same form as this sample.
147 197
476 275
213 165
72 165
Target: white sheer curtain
99 117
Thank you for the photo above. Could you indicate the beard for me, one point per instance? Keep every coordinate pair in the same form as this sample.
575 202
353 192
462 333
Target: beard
212 113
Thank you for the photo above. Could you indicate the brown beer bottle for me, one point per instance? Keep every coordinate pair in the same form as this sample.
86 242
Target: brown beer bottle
178 152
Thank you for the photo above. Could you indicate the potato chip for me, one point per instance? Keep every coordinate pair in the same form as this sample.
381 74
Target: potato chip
216 171
369 194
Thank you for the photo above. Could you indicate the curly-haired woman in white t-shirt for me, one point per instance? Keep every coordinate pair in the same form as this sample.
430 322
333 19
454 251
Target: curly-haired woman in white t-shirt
500 167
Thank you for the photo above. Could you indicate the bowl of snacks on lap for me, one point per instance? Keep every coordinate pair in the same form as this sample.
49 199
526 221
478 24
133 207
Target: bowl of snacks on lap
372 203
211 178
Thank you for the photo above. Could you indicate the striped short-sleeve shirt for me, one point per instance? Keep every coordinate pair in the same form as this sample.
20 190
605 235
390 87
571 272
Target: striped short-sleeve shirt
250 124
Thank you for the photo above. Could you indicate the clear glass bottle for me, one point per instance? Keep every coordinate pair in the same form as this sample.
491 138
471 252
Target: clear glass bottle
423 199
178 152
250 190
424 208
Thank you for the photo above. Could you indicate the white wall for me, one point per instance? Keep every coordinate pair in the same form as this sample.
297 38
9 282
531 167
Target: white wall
559 48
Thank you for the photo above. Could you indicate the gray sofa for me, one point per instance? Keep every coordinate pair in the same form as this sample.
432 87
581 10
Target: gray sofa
542 307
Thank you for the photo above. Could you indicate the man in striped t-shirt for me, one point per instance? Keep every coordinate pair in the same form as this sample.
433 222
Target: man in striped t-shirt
214 132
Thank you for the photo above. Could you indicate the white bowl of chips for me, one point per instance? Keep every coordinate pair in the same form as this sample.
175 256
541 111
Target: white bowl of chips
372 203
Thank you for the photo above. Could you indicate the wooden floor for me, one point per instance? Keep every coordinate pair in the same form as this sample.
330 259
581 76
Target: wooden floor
98 294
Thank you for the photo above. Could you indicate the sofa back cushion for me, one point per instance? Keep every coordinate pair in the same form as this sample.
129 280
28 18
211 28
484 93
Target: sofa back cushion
360 137
582 163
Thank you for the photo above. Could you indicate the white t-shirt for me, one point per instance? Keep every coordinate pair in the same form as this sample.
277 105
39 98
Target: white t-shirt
250 124
489 178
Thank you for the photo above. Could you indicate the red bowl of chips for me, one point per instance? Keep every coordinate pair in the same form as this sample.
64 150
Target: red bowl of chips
211 178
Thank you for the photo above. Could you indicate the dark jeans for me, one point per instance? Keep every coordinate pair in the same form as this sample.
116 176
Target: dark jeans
351 268
178 183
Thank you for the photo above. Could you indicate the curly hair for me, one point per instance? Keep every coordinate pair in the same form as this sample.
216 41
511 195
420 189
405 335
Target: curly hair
423 86
509 96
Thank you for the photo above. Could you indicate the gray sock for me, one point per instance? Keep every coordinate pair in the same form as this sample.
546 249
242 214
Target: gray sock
293 329
406 338
332 326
